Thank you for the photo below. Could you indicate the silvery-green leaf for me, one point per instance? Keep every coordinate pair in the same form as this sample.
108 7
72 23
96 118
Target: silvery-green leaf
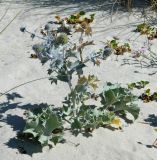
31 131
43 140
129 116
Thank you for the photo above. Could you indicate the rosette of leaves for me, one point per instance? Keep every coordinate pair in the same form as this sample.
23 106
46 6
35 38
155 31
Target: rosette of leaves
80 21
119 49
80 17
44 125
147 96
138 85
119 100
146 29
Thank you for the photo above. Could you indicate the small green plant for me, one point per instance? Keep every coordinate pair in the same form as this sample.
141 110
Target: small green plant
119 48
80 21
147 96
138 85
80 18
146 29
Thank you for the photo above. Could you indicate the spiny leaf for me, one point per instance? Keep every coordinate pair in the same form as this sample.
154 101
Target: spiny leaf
119 100
91 80
41 123
82 80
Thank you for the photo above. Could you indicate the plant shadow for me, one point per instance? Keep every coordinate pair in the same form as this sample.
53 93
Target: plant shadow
88 5
17 123
24 146
152 120
141 64
146 145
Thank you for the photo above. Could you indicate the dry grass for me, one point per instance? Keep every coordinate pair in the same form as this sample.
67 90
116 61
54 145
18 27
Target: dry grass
127 3
130 3
154 4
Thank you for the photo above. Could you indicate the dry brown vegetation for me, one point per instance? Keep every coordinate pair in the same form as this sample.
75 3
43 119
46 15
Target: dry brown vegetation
130 3
154 4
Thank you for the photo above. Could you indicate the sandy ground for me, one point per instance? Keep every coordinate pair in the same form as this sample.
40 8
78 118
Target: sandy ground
133 143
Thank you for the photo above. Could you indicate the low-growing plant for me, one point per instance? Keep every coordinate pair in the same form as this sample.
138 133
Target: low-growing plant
79 21
148 30
119 49
49 124
144 28
119 100
78 114
45 125
138 85
147 96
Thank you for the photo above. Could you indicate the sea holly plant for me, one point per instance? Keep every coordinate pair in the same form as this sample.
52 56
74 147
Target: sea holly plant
84 108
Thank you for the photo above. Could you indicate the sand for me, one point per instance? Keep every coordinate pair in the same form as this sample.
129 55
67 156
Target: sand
133 143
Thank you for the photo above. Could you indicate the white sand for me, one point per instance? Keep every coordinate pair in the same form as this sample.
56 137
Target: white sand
16 68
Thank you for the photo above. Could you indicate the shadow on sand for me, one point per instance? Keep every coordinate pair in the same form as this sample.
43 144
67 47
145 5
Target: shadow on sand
17 123
86 5
152 120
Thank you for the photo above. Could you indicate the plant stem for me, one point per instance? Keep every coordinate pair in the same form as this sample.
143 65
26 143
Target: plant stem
71 88
81 55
